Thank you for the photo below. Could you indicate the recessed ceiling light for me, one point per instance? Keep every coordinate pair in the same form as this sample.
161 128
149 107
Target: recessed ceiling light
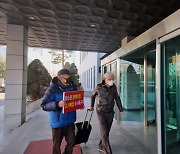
31 18
92 25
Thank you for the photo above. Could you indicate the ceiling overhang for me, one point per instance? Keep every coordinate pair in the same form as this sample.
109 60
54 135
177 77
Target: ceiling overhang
84 25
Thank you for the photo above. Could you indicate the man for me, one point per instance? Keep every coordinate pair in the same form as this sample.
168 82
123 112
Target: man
106 93
62 124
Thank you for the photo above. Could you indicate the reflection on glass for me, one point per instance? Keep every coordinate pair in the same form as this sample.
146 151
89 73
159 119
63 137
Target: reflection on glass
131 91
171 95
151 98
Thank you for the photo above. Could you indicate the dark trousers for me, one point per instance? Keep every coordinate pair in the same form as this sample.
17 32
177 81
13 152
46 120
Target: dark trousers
57 136
105 123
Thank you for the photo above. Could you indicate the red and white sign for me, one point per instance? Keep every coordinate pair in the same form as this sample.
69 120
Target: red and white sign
74 100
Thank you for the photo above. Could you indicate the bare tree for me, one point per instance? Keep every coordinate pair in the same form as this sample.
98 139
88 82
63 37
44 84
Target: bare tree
59 56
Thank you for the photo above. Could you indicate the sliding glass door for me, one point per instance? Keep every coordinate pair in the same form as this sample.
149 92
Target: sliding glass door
171 96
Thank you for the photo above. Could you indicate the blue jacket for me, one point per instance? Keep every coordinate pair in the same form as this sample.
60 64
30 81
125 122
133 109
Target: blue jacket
52 96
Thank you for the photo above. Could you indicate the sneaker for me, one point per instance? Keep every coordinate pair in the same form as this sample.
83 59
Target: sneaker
101 150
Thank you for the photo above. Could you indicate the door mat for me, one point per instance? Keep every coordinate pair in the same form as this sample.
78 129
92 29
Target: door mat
45 147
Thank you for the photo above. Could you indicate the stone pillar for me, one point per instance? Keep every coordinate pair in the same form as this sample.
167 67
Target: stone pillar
16 77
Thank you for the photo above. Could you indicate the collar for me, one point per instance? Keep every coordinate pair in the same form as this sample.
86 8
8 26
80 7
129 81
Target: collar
56 82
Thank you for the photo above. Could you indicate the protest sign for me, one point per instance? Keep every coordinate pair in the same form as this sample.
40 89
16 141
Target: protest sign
74 100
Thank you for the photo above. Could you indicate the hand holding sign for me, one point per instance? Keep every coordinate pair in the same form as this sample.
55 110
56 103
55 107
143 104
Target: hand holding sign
62 103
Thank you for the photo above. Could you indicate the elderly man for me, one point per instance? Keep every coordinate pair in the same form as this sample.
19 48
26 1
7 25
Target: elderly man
62 124
106 93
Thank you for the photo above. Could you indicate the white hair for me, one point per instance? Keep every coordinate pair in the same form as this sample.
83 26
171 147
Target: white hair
108 74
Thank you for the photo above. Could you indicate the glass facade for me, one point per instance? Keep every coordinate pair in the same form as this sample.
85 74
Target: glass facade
151 97
131 91
171 96
134 89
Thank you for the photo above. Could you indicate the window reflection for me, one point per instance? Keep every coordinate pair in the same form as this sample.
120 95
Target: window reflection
132 90
171 95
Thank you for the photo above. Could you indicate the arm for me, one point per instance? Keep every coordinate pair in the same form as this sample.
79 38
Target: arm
49 103
50 106
118 101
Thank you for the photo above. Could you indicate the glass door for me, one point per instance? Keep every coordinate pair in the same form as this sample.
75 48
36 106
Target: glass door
171 96
151 98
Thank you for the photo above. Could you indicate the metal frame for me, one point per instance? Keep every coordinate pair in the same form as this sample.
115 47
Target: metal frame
158 95
170 36
145 91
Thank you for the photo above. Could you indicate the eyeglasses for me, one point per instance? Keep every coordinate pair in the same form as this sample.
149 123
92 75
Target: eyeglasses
66 78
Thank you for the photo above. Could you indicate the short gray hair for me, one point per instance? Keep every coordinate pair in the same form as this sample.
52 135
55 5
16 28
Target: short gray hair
108 74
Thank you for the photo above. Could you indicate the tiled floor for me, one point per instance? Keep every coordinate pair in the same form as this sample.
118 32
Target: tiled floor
124 138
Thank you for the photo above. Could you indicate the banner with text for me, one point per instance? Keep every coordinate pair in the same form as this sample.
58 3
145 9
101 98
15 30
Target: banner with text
74 100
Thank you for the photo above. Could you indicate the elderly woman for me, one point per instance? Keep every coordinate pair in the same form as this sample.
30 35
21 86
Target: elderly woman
106 93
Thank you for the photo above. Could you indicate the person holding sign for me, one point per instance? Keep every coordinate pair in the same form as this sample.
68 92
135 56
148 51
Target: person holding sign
106 93
62 123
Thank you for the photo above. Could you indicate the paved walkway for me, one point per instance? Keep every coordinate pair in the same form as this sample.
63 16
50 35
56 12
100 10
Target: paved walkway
124 138
2 97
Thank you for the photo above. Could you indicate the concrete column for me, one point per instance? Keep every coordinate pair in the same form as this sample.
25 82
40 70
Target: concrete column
16 79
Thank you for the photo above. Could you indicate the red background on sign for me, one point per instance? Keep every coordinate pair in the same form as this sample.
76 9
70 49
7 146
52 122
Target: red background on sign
73 93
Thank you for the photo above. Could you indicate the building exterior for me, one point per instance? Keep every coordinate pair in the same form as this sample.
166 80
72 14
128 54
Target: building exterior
90 70
145 64
147 71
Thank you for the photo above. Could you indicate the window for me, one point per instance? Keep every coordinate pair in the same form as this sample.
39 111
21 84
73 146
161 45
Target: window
132 91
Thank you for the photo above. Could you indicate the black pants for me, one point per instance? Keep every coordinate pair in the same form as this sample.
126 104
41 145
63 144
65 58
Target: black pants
105 123
57 136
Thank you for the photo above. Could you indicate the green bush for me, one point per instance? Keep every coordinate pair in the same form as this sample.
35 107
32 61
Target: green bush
38 79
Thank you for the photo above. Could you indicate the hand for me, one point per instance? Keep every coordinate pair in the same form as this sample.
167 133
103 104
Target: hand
62 103
91 109
122 113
